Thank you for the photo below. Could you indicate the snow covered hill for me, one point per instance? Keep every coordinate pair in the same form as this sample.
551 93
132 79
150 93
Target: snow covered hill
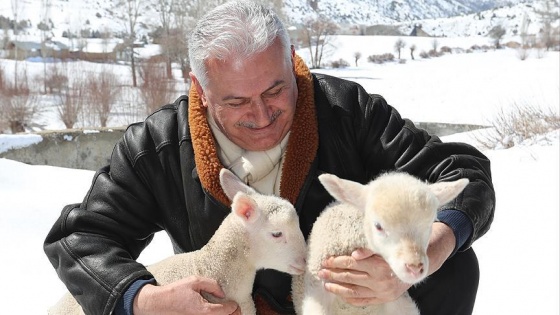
440 18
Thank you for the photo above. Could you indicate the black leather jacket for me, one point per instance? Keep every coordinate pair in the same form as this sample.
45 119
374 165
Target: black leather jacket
152 184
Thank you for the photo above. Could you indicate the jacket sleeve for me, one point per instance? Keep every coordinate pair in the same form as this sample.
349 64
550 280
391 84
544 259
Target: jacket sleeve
378 139
94 245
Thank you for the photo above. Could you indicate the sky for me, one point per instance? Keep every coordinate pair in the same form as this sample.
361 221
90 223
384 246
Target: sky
519 256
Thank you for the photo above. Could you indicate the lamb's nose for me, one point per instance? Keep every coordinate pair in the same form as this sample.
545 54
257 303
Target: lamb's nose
415 269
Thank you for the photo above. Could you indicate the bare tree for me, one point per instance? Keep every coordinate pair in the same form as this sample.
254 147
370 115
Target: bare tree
435 44
102 91
523 51
128 12
357 56
316 33
549 14
155 89
497 33
412 49
399 44
16 10
45 16
184 13
72 100
165 12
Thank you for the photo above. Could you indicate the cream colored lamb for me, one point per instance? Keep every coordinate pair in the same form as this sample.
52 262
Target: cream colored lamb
393 216
260 232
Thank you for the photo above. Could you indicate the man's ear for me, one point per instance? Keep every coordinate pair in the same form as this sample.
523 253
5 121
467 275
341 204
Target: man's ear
199 89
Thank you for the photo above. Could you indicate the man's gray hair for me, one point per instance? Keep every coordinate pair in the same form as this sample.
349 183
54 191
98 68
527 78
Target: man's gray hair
236 29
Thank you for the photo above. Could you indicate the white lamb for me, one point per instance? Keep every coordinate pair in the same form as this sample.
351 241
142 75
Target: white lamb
392 216
260 232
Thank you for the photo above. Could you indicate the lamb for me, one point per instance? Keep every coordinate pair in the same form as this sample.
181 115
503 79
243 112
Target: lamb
392 216
261 232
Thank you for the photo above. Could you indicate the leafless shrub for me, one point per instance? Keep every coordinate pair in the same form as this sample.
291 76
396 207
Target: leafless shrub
523 122
56 80
340 63
435 44
72 101
434 53
424 55
540 49
523 52
16 108
381 58
102 90
155 89
446 50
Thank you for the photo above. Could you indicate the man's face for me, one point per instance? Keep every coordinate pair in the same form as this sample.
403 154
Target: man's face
252 100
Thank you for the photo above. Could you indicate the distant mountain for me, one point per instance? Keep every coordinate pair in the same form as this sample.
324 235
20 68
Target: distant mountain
370 12
439 17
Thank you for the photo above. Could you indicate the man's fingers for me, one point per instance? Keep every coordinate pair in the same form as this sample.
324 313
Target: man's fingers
208 285
344 276
340 262
362 301
362 253
226 308
346 290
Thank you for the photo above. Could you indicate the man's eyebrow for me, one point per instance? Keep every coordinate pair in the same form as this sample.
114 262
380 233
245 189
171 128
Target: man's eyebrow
233 97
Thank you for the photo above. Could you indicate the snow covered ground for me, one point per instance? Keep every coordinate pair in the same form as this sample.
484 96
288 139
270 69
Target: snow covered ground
519 257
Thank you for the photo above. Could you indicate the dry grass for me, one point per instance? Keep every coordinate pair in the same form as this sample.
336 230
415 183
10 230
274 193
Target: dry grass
522 122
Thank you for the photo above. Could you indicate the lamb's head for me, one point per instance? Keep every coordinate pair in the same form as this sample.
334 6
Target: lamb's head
399 211
272 225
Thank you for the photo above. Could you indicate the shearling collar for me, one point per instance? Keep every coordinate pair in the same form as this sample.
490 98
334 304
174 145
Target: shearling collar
300 153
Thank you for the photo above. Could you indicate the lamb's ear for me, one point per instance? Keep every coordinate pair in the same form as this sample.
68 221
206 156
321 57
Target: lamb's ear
344 190
231 184
245 207
447 191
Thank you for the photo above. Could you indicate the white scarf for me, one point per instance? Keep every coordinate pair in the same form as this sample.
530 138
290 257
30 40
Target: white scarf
259 169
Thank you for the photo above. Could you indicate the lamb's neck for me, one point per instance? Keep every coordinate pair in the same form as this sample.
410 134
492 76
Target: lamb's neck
229 249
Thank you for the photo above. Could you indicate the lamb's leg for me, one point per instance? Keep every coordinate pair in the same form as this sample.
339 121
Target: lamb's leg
67 305
316 300
247 306
403 305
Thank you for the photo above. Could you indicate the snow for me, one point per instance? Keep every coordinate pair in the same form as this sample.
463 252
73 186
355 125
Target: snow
519 256
10 142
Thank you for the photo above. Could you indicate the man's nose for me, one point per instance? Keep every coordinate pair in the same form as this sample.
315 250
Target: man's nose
261 112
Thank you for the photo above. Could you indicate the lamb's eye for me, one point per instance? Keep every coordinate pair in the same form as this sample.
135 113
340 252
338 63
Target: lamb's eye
276 234
378 227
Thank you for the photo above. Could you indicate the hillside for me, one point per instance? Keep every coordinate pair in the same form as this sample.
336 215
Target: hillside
373 12
440 18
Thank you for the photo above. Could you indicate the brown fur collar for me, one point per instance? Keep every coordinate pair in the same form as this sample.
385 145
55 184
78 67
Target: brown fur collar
300 153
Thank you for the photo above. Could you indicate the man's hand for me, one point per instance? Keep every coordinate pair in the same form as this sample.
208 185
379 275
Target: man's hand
183 297
365 278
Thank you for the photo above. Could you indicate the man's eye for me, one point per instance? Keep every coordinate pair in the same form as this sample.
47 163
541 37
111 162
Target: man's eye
235 104
274 93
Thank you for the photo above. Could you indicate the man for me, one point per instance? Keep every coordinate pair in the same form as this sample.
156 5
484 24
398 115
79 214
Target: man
255 108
